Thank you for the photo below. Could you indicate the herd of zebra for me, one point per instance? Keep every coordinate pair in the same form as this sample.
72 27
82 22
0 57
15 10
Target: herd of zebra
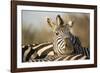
65 46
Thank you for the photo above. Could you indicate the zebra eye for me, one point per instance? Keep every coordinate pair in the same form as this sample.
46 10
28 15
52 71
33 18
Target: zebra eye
57 33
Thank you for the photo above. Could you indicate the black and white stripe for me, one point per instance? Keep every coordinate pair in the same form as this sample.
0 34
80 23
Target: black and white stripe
36 51
60 58
75 44
44 52
78 49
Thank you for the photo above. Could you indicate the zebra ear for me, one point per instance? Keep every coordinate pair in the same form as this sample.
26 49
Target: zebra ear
59 20
51 24
70 23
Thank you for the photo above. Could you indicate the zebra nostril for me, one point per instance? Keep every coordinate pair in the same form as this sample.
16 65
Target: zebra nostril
57 33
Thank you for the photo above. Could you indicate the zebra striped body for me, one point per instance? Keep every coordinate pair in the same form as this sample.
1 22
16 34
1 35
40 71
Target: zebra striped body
78 48
36 51
44 52
60 58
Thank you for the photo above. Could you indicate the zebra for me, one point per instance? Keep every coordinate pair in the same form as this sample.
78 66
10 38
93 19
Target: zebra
65 46
33 53
36 51
65 43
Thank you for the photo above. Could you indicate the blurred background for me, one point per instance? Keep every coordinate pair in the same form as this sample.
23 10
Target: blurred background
36 30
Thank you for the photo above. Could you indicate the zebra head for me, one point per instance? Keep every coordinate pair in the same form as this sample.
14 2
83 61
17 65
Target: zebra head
62 34
60 28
